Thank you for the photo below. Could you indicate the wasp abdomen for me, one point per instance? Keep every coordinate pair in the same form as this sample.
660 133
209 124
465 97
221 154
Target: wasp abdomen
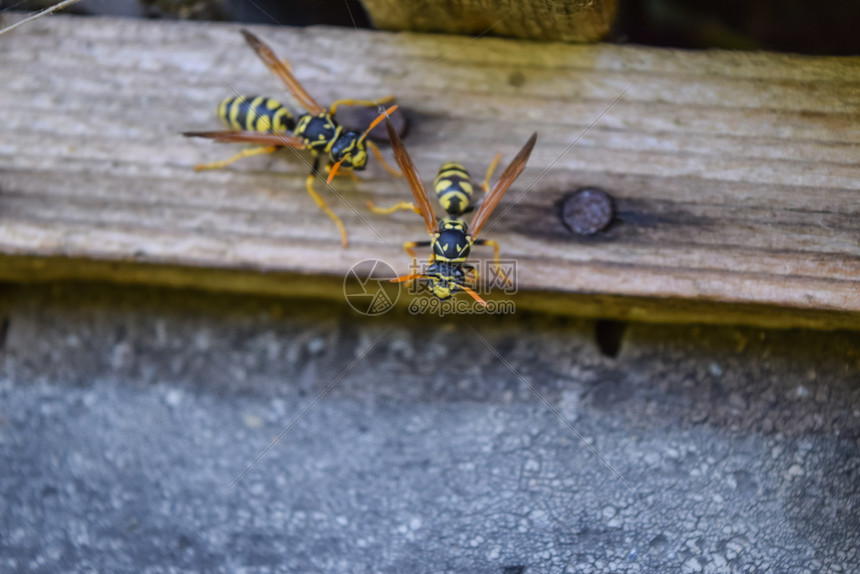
453 186
255 114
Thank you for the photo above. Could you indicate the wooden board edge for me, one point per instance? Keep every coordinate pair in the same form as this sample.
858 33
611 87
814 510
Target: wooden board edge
28 269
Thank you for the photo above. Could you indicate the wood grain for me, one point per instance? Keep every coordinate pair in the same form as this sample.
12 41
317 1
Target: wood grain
557 20
736 176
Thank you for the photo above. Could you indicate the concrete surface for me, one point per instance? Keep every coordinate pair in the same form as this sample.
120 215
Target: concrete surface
126 414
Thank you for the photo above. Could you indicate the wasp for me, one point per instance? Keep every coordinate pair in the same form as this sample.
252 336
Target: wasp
269 124
451 239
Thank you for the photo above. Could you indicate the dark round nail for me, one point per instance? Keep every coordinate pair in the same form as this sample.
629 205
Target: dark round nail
357 118
587 211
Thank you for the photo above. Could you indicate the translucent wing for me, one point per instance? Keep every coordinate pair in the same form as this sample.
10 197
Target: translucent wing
287 140
511 173
283 72
411 174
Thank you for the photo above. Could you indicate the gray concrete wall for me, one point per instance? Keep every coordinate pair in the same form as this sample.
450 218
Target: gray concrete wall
465 444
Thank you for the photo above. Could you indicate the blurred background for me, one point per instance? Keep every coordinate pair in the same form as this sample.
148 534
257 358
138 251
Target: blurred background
822 28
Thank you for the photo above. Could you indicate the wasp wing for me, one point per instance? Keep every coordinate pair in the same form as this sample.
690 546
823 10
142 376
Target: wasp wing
278 68
229 136
411 174
511 173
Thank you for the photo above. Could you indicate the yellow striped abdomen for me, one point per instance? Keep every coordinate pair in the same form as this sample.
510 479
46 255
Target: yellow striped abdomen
255 114
453 186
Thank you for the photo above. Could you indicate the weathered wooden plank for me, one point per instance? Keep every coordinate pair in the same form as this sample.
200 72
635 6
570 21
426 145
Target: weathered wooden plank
558 20
736 176
28 269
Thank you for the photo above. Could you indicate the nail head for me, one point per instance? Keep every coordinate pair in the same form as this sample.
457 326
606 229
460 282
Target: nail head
587 211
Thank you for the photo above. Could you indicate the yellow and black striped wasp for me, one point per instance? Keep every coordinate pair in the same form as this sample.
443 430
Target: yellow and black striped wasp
266 122
451 239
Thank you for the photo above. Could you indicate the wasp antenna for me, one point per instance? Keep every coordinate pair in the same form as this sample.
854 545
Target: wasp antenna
474 295
404 278
333 171
377 121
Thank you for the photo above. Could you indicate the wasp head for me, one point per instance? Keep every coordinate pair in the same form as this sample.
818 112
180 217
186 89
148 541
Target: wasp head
350 151
445 279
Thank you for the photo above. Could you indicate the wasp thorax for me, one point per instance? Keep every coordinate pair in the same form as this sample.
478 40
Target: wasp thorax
452 241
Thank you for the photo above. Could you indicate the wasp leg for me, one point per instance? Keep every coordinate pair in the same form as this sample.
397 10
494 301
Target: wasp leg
472 275
403 205
486 185
366 103
410 245
309 183
495 246
245 153
375 149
